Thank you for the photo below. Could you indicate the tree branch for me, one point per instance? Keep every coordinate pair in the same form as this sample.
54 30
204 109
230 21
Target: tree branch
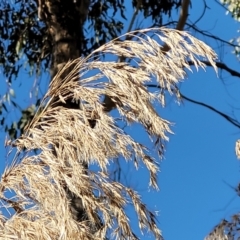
221 66
183 15
228 118
203 12
204 33
208 34
181 21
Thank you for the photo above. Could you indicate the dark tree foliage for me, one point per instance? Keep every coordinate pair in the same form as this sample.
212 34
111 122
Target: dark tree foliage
22 32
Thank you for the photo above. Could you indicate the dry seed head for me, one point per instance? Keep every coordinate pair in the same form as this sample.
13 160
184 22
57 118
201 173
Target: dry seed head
67 142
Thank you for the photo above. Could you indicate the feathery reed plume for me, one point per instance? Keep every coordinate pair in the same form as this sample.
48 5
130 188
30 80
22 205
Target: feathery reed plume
38 207
226 230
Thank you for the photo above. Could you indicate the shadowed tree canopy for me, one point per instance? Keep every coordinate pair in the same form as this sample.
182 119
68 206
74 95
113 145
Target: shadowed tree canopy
25 29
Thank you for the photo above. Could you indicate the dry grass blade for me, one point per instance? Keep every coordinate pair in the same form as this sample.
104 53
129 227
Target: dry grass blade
68 139
237 149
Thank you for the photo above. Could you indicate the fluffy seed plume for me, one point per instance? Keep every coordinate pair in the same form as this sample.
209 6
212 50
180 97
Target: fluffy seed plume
60 142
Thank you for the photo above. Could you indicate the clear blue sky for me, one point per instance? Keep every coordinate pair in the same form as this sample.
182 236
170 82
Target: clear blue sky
200 155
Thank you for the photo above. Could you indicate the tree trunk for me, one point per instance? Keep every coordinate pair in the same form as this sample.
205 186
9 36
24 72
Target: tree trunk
65 19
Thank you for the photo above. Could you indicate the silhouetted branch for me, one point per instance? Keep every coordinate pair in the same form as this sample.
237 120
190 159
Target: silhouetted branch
203 12
195 28
221 66
208 34
183 15
228 118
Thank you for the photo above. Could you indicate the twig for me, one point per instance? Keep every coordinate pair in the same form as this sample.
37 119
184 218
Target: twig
207 34
202 14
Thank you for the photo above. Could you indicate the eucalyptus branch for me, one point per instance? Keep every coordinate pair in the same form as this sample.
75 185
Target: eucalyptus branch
221 66
195 28
228 118
183 15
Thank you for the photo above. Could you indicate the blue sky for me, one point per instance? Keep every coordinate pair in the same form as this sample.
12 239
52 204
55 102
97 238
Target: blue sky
200 155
